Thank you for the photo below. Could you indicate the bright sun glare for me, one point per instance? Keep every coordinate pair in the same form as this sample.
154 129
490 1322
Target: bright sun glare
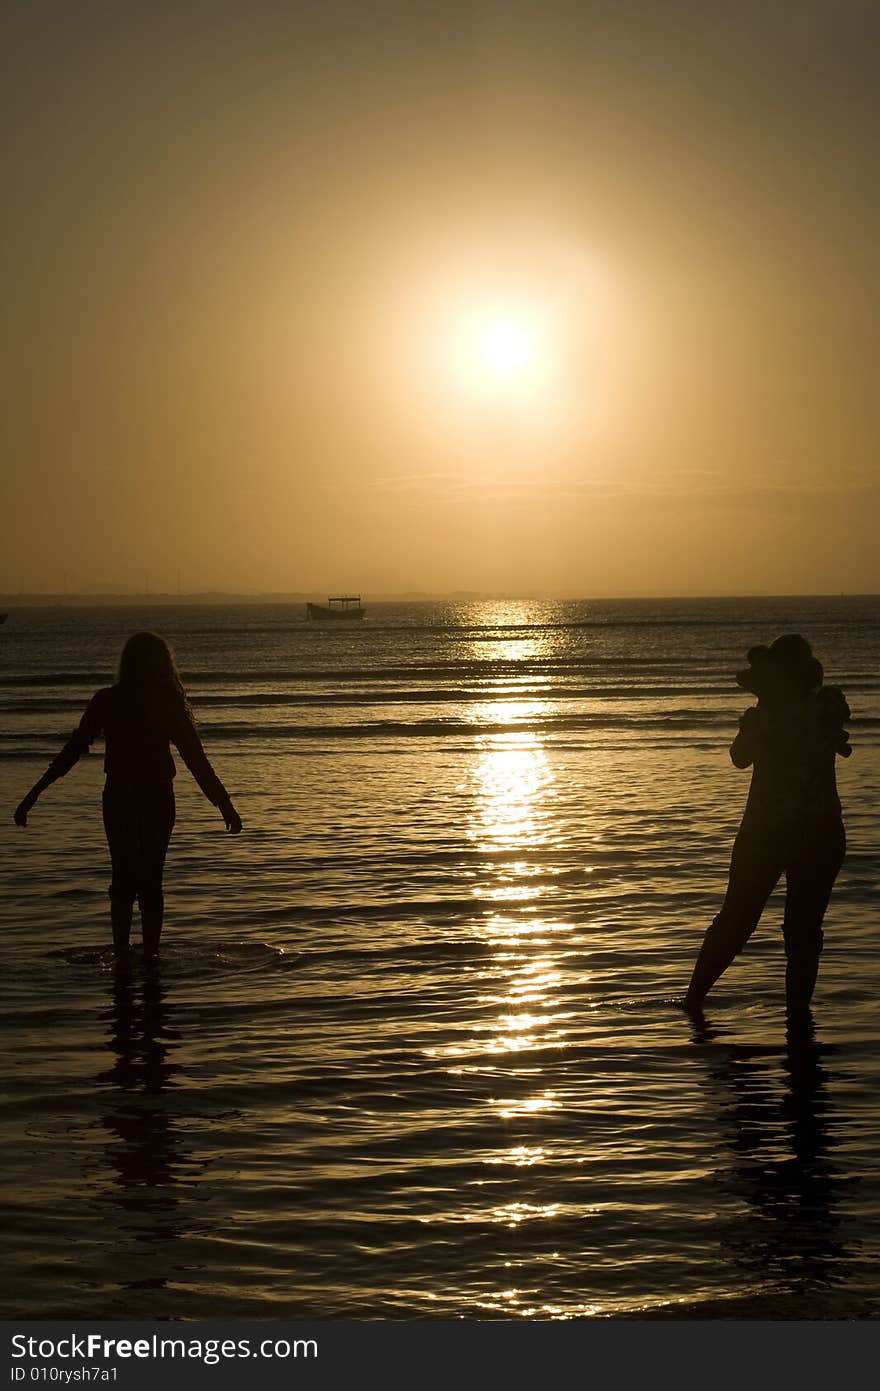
499 354
506 347
496 345
498 351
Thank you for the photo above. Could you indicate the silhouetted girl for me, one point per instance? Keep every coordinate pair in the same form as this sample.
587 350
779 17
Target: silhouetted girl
792 822
145 712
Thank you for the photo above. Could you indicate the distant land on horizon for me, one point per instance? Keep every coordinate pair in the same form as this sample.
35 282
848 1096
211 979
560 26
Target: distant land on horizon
9 602
93 598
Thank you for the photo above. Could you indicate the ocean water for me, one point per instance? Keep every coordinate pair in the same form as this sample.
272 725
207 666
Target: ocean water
412 1050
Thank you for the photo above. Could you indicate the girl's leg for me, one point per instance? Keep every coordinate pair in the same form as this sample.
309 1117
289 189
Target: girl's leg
156 827
151 929
123 883
755 868
121 912
810 878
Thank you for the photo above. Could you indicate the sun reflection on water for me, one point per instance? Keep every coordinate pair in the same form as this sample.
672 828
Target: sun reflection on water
509 1107
513 778
521 1017
511 823
511 649
512 1214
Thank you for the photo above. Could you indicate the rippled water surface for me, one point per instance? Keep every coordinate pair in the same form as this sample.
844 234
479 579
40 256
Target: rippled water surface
412 1049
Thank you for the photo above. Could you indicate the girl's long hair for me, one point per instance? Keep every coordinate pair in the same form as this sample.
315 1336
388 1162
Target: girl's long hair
147 670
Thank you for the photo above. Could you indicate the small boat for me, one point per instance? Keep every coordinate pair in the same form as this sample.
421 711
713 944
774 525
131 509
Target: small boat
339 607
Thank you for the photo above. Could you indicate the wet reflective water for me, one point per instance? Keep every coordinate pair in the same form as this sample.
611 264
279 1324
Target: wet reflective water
412 1049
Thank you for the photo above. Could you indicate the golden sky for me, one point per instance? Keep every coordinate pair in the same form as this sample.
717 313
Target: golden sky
256 256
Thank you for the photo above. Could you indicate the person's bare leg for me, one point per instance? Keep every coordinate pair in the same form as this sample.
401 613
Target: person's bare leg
120 920
722 943
801 971
753 875
810 879
151 929
157 823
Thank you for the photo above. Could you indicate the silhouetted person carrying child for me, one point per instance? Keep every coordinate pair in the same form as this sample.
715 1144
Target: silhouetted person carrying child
792 822
140 717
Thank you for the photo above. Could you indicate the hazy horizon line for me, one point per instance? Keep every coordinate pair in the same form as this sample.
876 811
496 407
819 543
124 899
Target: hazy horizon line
143 598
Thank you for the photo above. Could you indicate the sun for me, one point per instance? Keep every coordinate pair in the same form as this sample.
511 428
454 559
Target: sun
506 348
495 352
510 337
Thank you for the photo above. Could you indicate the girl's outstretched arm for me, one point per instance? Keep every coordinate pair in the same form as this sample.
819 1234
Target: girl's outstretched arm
185 738
85 734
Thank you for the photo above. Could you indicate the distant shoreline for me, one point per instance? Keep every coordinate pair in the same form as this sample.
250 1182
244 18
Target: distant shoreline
10 602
